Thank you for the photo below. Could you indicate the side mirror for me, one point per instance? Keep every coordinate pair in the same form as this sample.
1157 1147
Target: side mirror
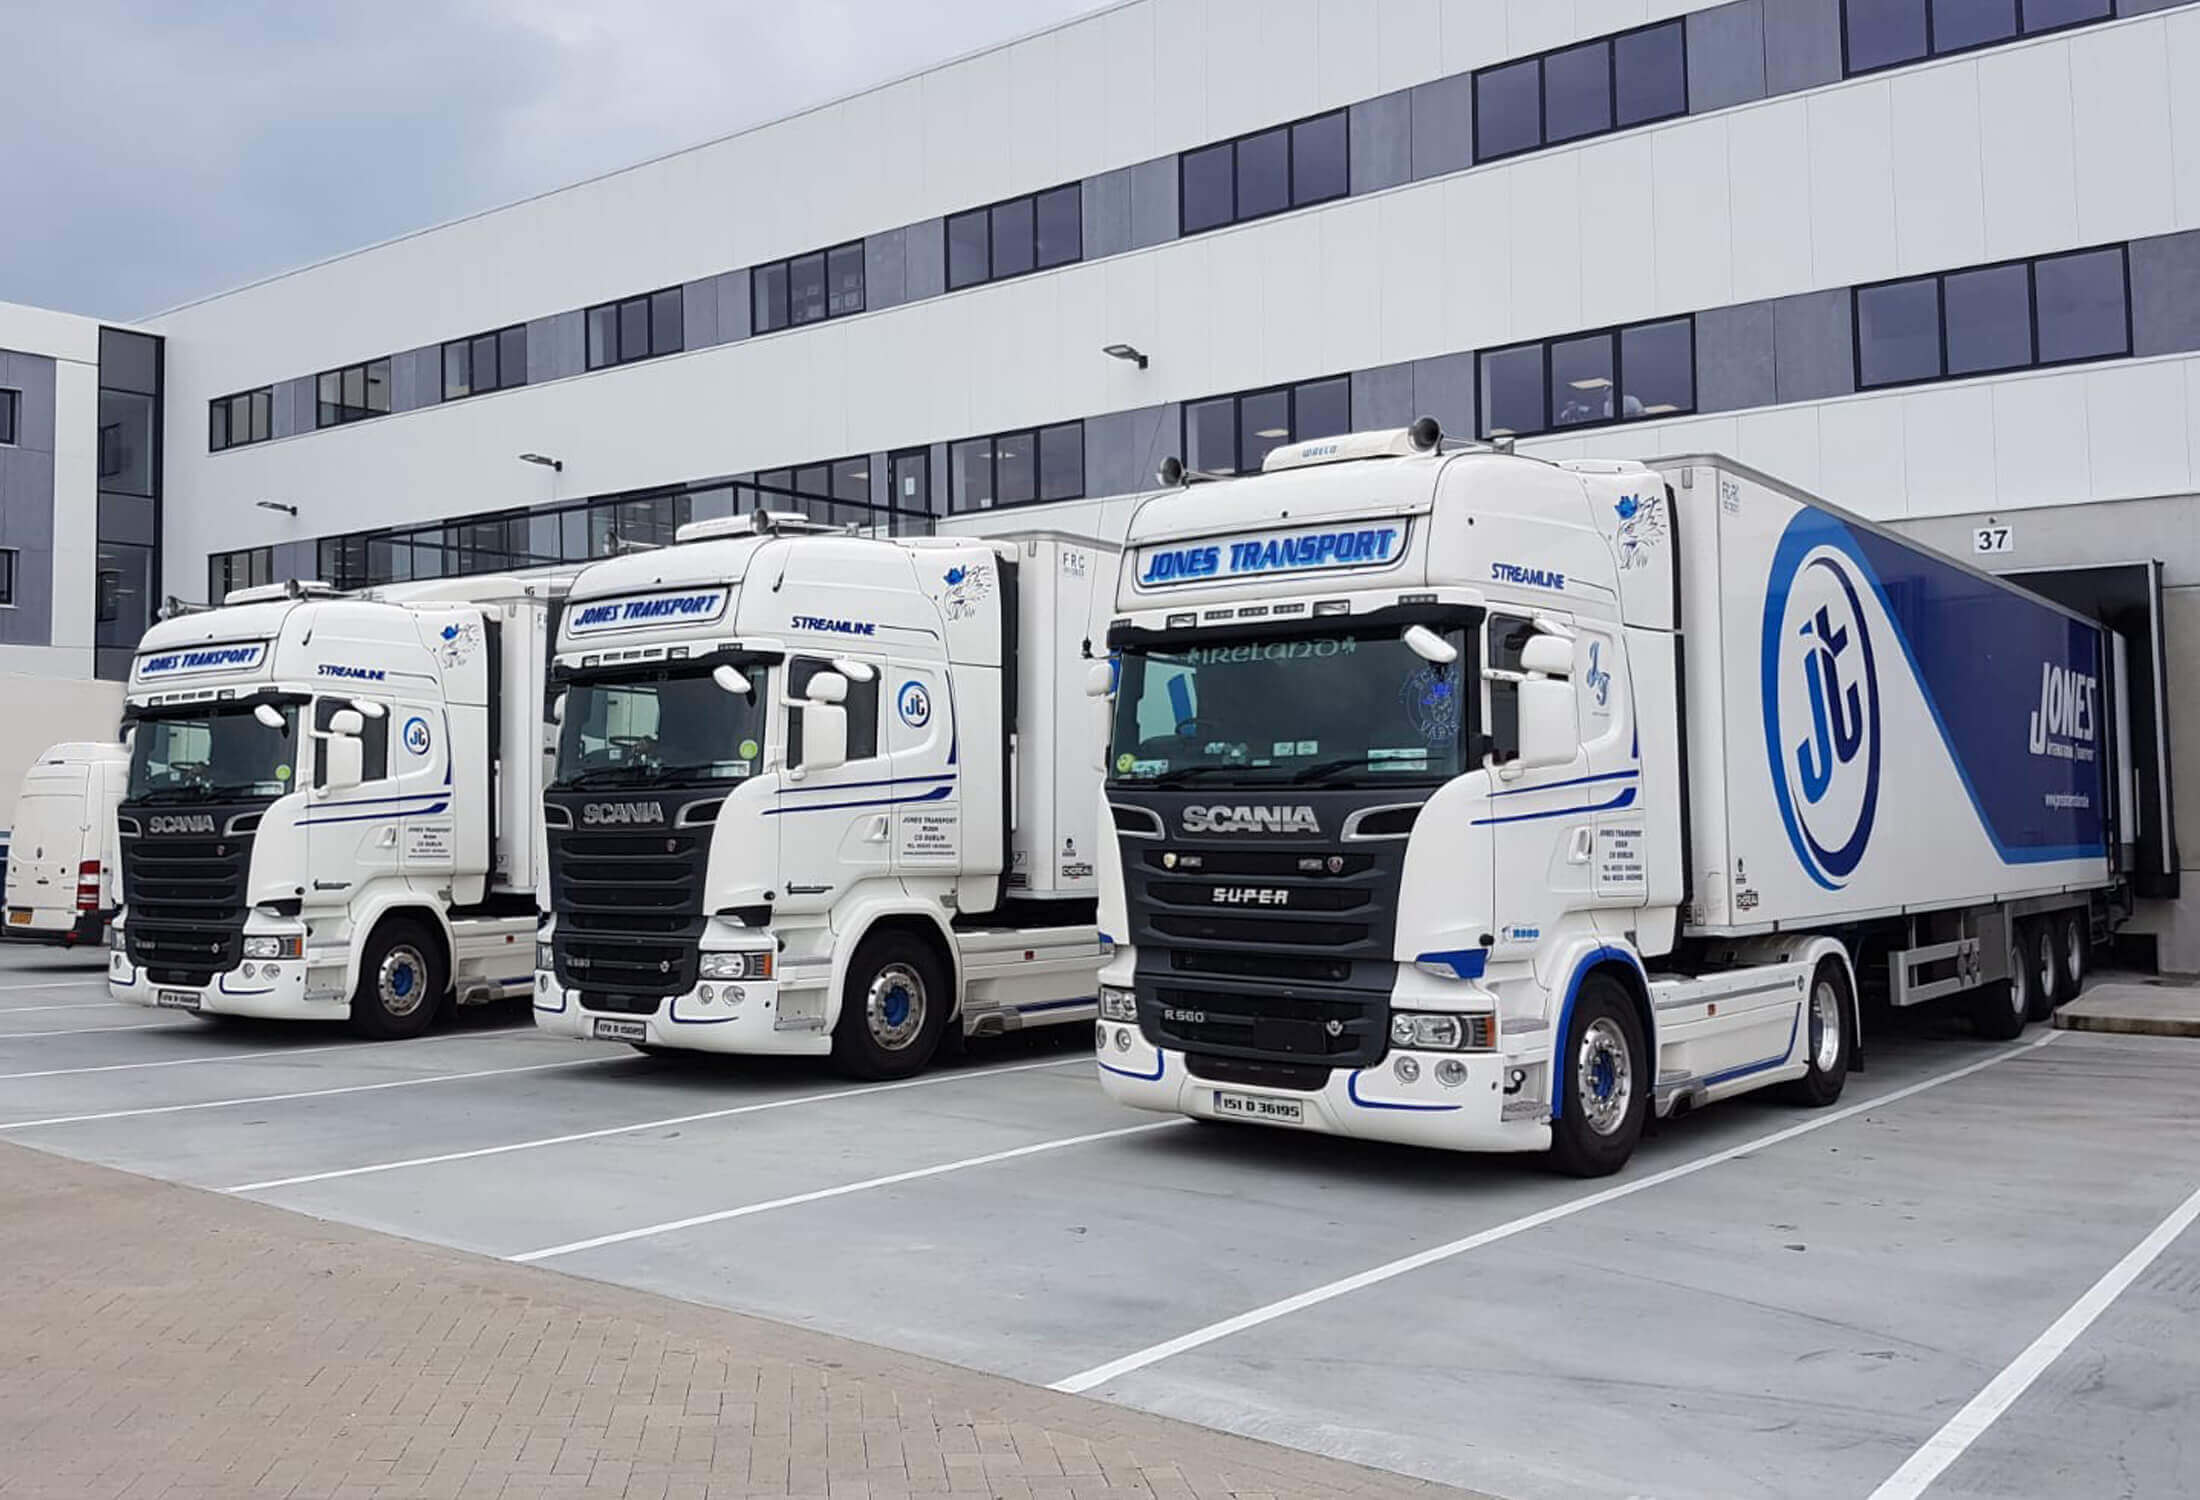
1550 722
346 723
368 707
730 679
1552 655
557 709
343 758
269 715
854 671
1100 703
1100 679
1429 646
824 733
827 687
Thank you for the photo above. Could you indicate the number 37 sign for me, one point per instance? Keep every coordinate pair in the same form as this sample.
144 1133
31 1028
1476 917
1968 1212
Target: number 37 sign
1993 539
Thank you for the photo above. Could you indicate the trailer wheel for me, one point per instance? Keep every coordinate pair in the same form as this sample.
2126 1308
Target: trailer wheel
401 982
893 1009
2043 945
1828 1045
1604 1082
2075 942
1999 1011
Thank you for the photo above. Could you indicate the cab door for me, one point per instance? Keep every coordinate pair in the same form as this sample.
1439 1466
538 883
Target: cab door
1543 833
352 835
836 826
924 755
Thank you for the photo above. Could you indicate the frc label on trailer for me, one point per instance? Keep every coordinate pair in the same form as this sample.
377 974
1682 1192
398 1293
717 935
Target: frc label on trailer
1323 550
596 616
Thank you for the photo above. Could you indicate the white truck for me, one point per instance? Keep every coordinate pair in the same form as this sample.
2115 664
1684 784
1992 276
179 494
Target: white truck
62 883
1474 801
823 794
332 803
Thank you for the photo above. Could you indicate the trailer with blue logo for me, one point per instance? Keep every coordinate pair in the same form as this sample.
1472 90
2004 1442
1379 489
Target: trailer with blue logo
1470 800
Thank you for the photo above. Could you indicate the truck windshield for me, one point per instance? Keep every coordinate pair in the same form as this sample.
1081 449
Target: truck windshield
660 726
220 752
1334 707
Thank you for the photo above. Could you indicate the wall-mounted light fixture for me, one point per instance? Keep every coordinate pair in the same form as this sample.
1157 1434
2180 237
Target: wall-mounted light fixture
555 464
1125 351
288 510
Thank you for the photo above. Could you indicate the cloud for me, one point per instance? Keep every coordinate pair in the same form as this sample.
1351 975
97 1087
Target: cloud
160 151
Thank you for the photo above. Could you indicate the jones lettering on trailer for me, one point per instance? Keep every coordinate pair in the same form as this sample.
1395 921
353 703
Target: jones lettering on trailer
2062 726
591 617
239 658
1324 550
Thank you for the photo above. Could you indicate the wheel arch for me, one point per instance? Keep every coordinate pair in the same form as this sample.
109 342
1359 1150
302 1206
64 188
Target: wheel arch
1626 969
400 909
920 922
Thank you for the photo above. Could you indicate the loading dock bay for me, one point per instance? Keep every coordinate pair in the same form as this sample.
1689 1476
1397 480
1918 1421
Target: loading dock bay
1767 1302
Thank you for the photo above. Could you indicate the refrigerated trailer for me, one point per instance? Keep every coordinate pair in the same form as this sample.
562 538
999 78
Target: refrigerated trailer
1461 798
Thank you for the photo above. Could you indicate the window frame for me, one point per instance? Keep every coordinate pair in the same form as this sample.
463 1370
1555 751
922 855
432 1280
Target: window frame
1030 200
1237 399
804 667
473 386
1610 42
226 405
374 738
10 560
363 413
1292 202
1934 50
1617 334
992 440
617 308
257 560
1939 280
785 267
11 417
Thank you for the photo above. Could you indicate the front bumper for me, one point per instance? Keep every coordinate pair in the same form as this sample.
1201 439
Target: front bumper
1371 1104
746 1023
275 990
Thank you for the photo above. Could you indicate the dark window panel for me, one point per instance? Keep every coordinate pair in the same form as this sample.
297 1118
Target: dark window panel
129 362
1989 315
844 280
1650 70
458 366
912 482
486 375
1657 362
968 259
217 422
1209 187
2083 305
1319 160
665 333
1881 33
1577 92
1512 392
263 415
1061 232
1264 423
1898 332
1321 408
1263 174
355 392
1972 23
329 399
1012 238
512 356
806 289
1583 380
1015 468
633 329
1508 109
2046 15
603 337
378 386
768 293
970 474
11 410
1210 436
1062 461
851 482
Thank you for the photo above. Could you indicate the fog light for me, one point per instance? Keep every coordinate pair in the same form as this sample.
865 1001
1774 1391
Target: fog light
733 994
542 983
1122 1039
1407 1069
245 970
1100 1037
1118 1004
1451 1072
704 994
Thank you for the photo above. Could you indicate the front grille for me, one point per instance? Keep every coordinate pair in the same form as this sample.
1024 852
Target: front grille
629 907
1297 931
1305 1077
621 1005
1259 965
186 900
1338 1030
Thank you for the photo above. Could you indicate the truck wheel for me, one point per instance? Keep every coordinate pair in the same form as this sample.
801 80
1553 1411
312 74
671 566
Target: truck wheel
1999 1011
893 1009
2075 941
1828 1022
1604 1082
2043 945
401 982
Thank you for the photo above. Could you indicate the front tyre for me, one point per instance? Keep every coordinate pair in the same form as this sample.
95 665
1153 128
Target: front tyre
1604 1084
1829 1041
401 982
893 1008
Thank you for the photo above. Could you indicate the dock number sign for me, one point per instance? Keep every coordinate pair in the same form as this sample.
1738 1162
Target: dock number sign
1986 539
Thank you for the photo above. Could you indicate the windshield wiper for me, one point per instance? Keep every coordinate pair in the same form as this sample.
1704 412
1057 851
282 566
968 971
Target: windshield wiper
1322 770
1185 773
607 776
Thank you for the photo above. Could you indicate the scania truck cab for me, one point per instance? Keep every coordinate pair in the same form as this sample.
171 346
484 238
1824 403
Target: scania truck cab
823 794
1468 800
331 803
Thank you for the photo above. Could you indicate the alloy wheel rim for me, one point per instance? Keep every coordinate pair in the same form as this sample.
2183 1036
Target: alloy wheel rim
1825 1026
1604 1076
402 984
894 1007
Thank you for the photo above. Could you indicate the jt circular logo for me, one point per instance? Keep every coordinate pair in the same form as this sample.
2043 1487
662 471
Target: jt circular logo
914 705
1821 695
416 736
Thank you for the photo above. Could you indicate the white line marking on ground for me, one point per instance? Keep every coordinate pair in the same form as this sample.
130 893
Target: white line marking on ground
99 979
350 1088
797 1199
219 1057
14 1036
610 1130
1981 1411
1153 1354
22 1010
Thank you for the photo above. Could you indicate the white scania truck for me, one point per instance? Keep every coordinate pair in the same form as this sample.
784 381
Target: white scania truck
331 803
818 793
1469 800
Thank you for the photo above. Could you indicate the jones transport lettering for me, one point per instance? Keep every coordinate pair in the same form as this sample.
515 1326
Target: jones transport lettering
233 658
1312 551
699 607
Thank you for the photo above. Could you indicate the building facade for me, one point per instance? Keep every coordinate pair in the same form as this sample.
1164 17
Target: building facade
1938 260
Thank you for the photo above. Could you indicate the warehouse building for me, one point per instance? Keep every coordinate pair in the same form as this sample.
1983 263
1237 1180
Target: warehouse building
1938 260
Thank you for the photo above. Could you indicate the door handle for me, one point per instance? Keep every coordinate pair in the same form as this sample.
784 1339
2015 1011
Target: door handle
388 839
1584 841
877 831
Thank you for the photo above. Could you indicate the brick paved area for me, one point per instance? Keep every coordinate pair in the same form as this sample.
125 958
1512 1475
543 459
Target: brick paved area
157 1340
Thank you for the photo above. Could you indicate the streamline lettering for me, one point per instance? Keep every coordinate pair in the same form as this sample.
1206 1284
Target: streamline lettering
1534 578
834 627
618 614
1297 552
354 674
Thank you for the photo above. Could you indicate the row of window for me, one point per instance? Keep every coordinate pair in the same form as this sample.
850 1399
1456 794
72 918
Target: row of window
247 417
806 288
1879 34
352 394
1267 172
1016 468
1591 88
486 362
1641 372
634 328
248 568
1234 434
2053 310
1033 233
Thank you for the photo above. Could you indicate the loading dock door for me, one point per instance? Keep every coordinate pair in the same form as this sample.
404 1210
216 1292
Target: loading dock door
2127 598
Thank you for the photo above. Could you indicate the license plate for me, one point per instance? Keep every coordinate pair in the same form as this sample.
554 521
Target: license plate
20 917
1260 1107
621 1031
176 999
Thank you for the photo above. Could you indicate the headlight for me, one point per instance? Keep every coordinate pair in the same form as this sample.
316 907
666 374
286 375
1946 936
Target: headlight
1442 1033
1117 1004
756 964
544 957
274 947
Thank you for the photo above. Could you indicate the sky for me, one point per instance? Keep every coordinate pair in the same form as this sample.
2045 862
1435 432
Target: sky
160 150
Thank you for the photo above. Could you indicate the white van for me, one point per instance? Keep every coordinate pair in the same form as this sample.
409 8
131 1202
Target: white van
63 881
